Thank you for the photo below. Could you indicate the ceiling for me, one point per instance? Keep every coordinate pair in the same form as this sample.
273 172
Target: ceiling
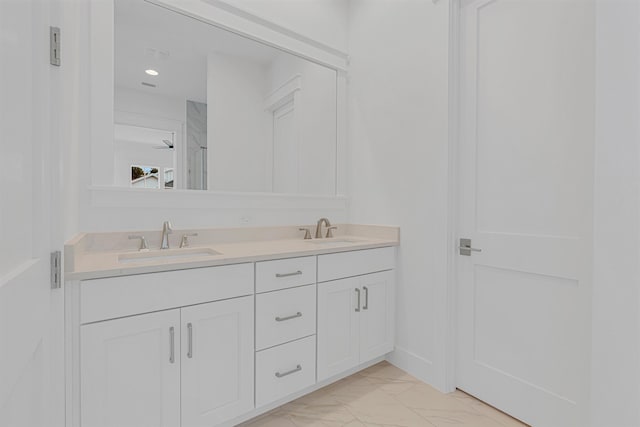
148 36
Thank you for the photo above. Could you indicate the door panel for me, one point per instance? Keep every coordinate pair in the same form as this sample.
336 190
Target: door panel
376 324
217 374
31 360
128 377
338 327
526 169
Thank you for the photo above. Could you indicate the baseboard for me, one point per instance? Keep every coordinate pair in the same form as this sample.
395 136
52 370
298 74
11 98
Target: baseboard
414 365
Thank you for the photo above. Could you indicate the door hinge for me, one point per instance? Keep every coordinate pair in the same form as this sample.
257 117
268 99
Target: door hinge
54 46
56 270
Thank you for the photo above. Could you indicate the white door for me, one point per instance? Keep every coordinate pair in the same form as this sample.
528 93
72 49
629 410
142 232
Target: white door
217 361
376 319
31 340
285 150
130 371
525 170
338 326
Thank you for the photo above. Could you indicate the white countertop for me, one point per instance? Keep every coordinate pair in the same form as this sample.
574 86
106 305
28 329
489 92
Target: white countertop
93 256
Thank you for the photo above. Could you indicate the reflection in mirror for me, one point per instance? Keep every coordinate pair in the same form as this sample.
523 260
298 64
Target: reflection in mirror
217 110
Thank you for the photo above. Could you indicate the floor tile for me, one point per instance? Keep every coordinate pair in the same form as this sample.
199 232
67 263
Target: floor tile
384 396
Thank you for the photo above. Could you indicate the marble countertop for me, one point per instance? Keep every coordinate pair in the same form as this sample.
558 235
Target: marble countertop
99 255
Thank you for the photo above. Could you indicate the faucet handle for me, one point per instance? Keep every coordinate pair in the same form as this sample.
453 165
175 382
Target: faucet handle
307 233
184 242
330 231
143 242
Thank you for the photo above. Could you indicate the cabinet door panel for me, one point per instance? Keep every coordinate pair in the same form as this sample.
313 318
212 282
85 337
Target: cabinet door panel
337 327
217 361
376 320
128 377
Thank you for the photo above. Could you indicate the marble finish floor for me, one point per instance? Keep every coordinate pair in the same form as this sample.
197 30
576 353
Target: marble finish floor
383 396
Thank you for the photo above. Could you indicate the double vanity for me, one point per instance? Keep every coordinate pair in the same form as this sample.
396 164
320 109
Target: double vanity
230 325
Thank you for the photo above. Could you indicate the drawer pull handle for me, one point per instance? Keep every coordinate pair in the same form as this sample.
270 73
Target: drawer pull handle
190 340
172 346
295 273
358 294
293 371
293 316
366 298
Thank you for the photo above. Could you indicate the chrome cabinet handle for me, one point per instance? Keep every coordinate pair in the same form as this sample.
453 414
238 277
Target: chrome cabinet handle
295 273
293 371
366 298
293 316
358 293
172 345
189 340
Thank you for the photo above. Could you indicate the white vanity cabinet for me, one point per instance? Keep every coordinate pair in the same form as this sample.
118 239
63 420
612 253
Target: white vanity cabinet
285 327
216 361
130 371
214 346
190 366
355 314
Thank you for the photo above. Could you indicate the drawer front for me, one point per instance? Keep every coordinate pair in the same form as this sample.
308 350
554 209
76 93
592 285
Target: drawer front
113 297
285 315
285 273
355 263
285 369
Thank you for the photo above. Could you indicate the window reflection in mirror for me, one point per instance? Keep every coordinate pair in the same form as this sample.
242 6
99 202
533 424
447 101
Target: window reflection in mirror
240 116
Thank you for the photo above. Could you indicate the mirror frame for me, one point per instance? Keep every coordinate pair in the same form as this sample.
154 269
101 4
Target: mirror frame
237 21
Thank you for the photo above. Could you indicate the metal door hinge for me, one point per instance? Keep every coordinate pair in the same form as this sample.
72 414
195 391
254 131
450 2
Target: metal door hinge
56 270
54 46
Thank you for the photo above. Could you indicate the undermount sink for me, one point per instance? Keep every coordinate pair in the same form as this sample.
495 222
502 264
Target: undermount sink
167 255
332 241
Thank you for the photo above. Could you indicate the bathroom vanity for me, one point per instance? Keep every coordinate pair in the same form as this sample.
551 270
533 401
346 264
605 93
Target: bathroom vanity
238 323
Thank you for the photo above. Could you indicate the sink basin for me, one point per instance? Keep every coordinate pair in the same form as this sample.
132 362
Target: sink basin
332 241
167 255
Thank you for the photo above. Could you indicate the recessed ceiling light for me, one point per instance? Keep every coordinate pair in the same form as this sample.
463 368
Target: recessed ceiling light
151 72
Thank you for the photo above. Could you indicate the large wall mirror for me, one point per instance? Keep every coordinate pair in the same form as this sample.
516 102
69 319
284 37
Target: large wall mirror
197 107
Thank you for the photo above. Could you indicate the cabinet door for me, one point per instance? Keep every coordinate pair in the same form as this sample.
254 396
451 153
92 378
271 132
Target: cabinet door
376 317
337 327
130 371
217 361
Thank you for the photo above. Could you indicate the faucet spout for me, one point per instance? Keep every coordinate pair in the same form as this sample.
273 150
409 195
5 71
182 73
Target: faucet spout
166 230
319 227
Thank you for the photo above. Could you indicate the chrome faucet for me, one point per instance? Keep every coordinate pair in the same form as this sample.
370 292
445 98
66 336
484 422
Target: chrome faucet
319 227
166 230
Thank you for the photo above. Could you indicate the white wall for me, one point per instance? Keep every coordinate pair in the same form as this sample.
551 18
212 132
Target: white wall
398 130
616 290
324 21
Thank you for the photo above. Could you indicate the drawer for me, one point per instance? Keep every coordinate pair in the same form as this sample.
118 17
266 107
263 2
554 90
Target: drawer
285 369
108 298
285 315
354 263
285 273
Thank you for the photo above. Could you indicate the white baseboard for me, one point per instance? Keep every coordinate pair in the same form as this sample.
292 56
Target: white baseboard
414 365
